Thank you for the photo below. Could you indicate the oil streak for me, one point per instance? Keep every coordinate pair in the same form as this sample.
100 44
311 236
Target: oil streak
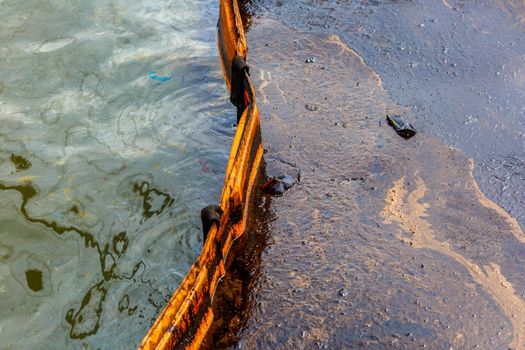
86 320
410 212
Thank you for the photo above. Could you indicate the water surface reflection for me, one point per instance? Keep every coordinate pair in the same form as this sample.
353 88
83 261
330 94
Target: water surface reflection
115 132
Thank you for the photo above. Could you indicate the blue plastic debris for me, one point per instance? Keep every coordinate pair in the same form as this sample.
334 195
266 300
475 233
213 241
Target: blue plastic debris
154 76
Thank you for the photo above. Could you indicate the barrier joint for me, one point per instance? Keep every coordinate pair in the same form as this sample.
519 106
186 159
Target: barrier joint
240 72
210 215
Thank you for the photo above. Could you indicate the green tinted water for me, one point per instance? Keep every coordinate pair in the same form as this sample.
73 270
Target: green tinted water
114 133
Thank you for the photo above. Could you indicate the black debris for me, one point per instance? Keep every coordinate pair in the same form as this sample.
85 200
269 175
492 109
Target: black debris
311 107
402 127
277 186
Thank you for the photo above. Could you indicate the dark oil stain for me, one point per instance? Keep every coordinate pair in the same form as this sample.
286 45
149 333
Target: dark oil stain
75 209
28 191
154 201
120 243
34 280
107 262
20 162
86 320
123 305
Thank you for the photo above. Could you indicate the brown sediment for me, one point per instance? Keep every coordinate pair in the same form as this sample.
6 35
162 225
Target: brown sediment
411 213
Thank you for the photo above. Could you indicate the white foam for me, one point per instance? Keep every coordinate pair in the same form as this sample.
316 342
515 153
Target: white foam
54 44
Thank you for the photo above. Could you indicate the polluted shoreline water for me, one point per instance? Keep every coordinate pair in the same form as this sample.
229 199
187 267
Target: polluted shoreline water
456 65
385 242
116 130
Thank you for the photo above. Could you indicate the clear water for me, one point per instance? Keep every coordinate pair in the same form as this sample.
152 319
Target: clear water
114 133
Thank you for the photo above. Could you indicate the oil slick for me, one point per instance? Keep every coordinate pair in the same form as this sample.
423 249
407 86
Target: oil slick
487 203
96 202
467 249
34 280
20 162
409 211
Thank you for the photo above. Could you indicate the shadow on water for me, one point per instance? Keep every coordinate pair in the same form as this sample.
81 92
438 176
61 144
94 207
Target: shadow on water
385 242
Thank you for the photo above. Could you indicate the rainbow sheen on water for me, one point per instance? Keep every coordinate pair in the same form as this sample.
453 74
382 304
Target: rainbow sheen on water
115 132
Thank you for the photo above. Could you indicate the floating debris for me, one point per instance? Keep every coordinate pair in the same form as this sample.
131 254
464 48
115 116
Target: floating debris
277 186
154 76
402 127
469 119
310 60
204 166
343 292
311 107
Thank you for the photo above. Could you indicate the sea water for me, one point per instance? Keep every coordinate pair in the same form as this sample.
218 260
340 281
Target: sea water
114 133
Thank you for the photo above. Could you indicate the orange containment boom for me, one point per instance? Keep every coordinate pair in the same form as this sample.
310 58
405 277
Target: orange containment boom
186 318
